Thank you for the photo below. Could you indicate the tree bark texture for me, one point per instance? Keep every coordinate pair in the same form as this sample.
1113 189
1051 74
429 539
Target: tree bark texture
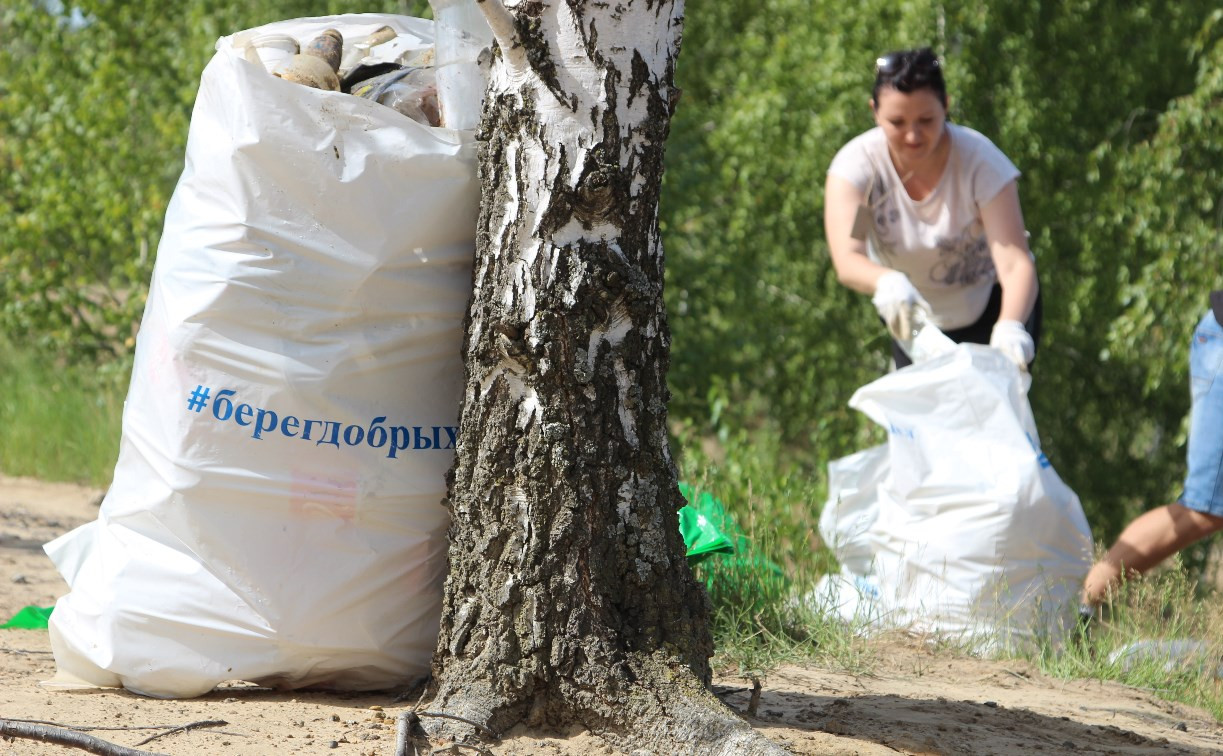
568 600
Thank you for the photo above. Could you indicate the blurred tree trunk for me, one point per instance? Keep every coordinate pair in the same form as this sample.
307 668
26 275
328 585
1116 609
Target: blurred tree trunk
568 600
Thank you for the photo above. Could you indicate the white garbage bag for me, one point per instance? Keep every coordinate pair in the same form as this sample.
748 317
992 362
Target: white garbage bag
276 511
958 526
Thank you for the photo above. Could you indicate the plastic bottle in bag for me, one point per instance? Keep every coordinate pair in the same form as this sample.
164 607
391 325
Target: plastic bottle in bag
460 34
411 91
317 64
329 45
309 70
927 341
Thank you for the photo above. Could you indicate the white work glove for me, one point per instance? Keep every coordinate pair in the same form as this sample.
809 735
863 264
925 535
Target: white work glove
897 301
1013 340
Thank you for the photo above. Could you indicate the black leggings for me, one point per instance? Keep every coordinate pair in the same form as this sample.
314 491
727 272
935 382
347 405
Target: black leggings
979 332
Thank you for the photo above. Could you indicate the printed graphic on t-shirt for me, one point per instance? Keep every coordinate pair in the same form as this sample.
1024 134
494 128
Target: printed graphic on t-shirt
963 261
883 203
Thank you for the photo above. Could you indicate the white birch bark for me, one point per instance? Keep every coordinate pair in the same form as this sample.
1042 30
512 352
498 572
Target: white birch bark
569 600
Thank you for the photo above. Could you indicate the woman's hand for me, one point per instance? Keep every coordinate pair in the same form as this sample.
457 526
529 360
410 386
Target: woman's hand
1013 340
898 301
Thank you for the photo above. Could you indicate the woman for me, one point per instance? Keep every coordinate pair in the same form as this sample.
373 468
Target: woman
924 215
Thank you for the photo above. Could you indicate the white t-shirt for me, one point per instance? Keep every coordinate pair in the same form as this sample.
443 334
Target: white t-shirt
939 242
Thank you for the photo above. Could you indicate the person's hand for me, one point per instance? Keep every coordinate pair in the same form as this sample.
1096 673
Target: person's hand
897 301
1013 340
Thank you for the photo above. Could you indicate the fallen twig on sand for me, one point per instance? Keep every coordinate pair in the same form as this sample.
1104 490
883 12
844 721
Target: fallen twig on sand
755 700
92 728
403 733
455 747
184 728
66 737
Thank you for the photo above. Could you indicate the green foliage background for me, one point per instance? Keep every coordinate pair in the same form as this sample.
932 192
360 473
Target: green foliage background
1113 111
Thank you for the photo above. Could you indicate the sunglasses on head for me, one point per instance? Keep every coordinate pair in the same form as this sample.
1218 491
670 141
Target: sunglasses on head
892 62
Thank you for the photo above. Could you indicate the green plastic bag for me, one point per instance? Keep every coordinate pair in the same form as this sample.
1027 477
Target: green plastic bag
746 559
701 537
29 618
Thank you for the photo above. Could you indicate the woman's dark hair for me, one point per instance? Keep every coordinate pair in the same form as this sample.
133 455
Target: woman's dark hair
909 71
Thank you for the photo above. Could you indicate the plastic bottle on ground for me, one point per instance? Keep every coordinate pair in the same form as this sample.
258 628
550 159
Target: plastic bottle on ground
1175 653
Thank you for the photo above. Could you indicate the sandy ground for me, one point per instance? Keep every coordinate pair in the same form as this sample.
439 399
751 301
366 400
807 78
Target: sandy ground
915 701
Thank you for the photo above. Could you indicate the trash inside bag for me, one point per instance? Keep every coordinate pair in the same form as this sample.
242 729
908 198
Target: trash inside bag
385 64
408 90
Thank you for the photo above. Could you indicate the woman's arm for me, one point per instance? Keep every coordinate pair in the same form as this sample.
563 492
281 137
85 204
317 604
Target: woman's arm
854 269
1008 245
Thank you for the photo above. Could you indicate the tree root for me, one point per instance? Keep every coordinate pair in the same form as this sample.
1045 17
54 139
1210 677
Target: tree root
661 714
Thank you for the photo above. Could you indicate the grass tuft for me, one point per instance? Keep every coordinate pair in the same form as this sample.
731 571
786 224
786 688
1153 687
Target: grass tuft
59 421
758 620
1162 633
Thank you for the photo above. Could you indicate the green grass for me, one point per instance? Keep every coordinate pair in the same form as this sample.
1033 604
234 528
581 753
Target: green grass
758 623
59 421
1168 605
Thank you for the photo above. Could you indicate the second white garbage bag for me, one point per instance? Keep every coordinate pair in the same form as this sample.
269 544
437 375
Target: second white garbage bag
276 513
958 526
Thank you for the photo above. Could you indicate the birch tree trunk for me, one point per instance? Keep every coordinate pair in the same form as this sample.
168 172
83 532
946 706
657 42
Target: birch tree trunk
568 600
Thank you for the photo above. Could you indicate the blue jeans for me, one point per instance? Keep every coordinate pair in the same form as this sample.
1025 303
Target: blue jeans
1204 483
